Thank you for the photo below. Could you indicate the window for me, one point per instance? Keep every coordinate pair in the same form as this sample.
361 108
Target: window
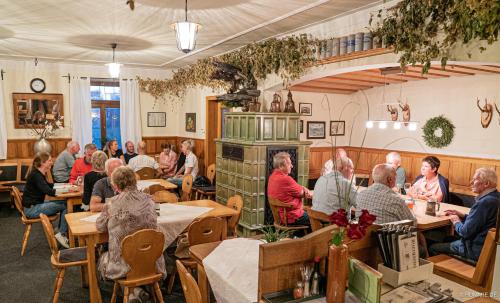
105 96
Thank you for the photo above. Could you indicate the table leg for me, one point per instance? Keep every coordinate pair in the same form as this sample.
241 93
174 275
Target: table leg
84 273
94 292
69 205
203 284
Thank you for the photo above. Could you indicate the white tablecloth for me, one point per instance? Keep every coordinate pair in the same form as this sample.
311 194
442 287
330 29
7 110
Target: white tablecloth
173 219
232 270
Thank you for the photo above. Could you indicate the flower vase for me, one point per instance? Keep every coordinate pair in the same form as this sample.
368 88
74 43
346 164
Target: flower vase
337 273
42 145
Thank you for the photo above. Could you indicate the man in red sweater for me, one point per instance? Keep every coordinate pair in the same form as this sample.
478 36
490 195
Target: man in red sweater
82 165
284 188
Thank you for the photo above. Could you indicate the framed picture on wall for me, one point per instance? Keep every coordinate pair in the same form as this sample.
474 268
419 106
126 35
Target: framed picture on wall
305 109
301 126
337 128
157 119
316 130
191 122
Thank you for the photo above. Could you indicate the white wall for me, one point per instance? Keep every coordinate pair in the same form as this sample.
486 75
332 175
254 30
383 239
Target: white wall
453 97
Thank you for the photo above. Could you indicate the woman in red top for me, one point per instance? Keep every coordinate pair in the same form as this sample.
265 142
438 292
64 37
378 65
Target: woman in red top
284 188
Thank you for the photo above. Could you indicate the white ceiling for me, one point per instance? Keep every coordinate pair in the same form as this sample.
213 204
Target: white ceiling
81 31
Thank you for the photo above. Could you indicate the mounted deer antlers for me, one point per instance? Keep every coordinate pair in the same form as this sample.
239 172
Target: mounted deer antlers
393 111
486 112
406 112
498 111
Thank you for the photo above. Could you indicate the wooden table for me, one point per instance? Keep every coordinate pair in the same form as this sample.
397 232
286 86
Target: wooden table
167 185
426 222
87 233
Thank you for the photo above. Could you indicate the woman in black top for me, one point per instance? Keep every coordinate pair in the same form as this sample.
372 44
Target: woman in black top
97 173
112 151
34 193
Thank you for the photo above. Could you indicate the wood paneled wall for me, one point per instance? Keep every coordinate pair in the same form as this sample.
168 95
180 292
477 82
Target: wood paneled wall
458 170
23 148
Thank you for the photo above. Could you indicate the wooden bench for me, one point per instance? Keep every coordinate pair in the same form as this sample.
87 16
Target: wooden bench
479 277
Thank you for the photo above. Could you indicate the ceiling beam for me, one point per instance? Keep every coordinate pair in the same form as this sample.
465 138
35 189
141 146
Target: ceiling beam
371 75
482 68
451 71
332 82
354 81
320 90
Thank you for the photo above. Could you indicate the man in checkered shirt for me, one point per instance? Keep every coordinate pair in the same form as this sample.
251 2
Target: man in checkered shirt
380 200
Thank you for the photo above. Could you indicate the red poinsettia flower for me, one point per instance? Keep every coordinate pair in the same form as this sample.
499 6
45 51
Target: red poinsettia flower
356 232
339 218
366 219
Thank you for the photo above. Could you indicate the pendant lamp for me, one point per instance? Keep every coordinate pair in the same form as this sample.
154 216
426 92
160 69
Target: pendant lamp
185 33
114 68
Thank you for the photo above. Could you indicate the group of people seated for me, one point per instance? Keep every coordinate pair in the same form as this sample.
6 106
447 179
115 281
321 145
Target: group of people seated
108 183
336 189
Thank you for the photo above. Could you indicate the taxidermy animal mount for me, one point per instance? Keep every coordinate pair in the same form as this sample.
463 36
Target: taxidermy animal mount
498 111
394 112
406 112
243 88
486 113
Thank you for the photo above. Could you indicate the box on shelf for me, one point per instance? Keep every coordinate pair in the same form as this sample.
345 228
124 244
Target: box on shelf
396 278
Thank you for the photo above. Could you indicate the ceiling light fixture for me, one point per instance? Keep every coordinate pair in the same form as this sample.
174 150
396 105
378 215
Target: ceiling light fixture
114 68
186 32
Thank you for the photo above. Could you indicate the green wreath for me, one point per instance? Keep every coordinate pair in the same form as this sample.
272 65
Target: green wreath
438 132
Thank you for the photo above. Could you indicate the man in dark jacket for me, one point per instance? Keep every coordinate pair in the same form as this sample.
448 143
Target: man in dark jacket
473 228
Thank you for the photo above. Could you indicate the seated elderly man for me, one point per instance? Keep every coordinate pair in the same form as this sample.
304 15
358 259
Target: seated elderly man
103 188
64 162
82 165
394 159
380 200
142 160
331 190
472 228
284 188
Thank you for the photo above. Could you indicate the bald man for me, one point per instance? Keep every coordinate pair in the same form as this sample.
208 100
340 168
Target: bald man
380 200
103 188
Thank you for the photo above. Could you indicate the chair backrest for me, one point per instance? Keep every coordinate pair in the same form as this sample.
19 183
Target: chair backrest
275 206
318 219
137 177
190 288
206 230
236 203
211 173
164 196
187 185
9 172
18 202
49 233
141 250
146 173
155 188
486 261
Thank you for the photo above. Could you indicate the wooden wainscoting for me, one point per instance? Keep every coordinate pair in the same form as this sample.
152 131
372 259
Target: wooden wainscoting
459 170
23 148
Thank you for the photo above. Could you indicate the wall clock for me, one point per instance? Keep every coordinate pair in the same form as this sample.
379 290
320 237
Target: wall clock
37 85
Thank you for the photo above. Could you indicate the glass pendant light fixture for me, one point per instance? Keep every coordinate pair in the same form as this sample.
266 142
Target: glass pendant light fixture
114 68
186 32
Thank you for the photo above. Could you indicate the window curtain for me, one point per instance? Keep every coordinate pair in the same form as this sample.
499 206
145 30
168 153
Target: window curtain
130 112
3 124
81 110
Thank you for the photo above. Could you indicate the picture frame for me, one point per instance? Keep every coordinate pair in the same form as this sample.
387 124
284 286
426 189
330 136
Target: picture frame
157 119
301 126
191 122
28 107
316 130
305 109
337 128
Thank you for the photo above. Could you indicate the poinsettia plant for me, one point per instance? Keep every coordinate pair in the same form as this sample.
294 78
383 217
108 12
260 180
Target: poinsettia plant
355 231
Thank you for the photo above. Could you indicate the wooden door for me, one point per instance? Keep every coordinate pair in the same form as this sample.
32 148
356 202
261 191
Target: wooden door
212 128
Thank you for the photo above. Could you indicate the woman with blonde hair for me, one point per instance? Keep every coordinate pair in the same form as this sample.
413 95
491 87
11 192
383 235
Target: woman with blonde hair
190 165
97 173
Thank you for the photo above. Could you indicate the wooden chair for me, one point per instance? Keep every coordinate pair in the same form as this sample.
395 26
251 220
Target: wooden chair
189 286
206 192
318 219
137 177
187 185
146 173
155 188
479 277
141 250
164 196
275 206
60 260
28 222
236 203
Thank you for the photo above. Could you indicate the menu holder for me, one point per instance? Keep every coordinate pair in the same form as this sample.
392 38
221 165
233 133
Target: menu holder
286 296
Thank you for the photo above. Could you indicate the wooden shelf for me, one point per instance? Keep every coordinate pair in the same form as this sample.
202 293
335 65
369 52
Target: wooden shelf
355 55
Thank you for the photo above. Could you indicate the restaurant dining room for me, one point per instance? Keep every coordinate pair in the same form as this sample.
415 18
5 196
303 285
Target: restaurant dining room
177 151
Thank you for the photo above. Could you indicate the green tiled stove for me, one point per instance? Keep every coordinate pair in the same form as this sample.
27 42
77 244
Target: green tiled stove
244 160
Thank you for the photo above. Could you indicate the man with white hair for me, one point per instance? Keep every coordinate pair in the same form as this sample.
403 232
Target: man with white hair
82 165
142 160
64 162
473 228
332 189
103 188
380 200
394 159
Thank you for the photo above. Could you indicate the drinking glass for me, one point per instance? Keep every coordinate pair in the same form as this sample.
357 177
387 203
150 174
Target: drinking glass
407 187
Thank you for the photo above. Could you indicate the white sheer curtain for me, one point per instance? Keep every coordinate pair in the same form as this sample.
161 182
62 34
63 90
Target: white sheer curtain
81 110
3 124
130 112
